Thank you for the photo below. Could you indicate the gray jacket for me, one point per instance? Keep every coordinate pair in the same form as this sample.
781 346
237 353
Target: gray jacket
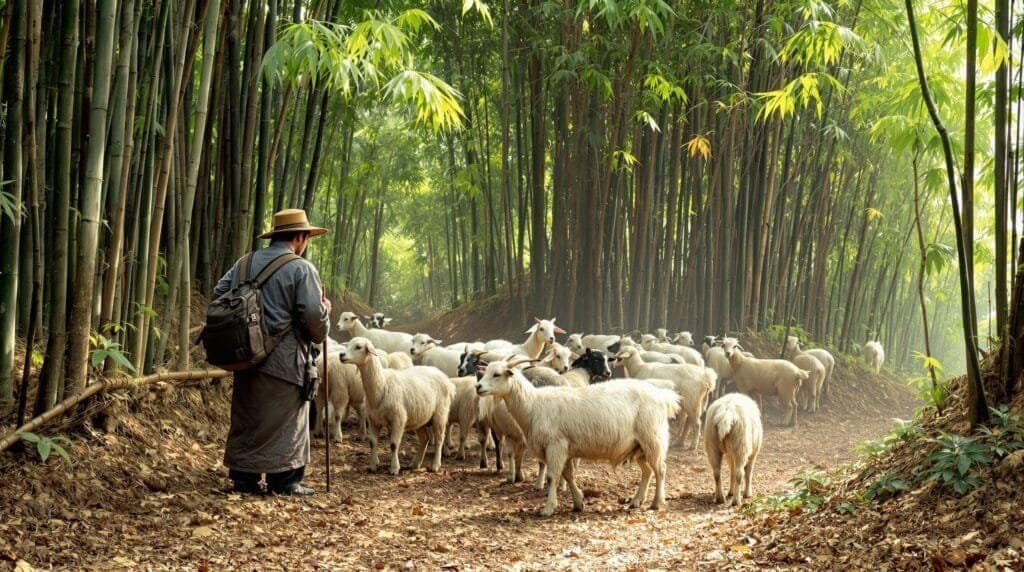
292 296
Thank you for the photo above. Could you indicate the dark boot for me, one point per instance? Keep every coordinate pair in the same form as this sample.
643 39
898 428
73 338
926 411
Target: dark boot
288 483
245 482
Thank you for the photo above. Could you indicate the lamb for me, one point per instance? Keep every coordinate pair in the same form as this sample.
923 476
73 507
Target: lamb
690 355
767 377
793 346
428 351
875 355
346 387
733 430
384 340
693 383
416 399
614 421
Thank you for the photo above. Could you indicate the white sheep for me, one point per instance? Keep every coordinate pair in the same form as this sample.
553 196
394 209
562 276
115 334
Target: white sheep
464 412
494 414
385 340
346 388
540 335
415 399
875 355
615 421
428 351
579 343
793 346
810 390
662 334
397 360
733 430
693 383
690 355
767 377
683 339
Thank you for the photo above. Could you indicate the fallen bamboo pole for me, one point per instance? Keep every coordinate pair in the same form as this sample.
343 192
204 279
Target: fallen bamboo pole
107 385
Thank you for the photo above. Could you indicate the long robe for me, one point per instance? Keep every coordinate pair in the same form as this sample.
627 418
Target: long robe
269 419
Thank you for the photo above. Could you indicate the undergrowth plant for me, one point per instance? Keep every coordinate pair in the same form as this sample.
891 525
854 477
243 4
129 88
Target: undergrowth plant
810 488
47 445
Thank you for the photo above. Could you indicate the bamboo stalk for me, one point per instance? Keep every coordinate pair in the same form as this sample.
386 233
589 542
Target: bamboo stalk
108 385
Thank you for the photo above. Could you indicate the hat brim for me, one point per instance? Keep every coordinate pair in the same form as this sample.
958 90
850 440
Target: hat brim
312 230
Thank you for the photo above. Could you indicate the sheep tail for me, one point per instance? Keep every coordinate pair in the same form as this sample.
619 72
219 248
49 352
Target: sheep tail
710 379
727 419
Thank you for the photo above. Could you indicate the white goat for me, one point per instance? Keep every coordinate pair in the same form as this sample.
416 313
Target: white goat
464 412
614 421
733 430
416 399
767 377
540 334
810 390
875 355
382 339
396 360
662 335
693 383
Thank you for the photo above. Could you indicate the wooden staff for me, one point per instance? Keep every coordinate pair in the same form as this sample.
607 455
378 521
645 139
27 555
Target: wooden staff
327 408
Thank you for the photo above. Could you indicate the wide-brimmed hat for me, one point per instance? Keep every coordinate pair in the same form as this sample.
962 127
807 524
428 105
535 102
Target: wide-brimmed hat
292 220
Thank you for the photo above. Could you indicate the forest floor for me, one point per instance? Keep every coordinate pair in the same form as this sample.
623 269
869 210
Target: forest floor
150 495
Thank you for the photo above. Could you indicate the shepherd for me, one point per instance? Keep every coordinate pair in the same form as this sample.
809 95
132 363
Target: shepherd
270 396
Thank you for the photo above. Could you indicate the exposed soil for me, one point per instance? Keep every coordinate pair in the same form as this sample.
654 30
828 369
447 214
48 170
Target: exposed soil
149 496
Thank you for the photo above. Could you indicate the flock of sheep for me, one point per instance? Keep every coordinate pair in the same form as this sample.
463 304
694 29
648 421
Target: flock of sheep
559 402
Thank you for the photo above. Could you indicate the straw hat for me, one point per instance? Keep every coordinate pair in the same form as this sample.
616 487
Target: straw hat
291 220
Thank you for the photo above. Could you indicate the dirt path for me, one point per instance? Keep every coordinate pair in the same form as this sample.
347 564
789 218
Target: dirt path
463 518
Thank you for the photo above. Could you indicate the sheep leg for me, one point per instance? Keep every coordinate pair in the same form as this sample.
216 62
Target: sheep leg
423 438
440 435
660 470
737 475
463 437
684 426
747 474
397 430
373 435
542 480
569 477
555 456
645 481
515 472
483 433
733 467
715 458
499 463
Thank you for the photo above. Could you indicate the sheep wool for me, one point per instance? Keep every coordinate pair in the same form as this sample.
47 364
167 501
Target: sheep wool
733 430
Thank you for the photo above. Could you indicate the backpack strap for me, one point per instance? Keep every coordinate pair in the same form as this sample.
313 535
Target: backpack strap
243 270
273 267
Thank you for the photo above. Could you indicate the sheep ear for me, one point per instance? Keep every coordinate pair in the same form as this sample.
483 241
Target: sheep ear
559 330
387 321
532 329
378 353
536 319
438 342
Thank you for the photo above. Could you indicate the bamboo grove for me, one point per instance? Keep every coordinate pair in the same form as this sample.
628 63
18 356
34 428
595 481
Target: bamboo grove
620 164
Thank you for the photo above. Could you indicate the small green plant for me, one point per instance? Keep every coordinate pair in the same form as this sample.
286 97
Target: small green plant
951 465
1006 434
47 445
809 495
906 431
846 508
886 486
104 348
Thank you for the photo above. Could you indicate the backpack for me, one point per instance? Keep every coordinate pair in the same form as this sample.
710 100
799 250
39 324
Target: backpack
235 336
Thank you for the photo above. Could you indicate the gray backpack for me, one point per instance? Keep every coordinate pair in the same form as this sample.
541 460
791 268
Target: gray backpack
235 336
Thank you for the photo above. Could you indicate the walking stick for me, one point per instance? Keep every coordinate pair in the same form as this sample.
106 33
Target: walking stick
327 408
